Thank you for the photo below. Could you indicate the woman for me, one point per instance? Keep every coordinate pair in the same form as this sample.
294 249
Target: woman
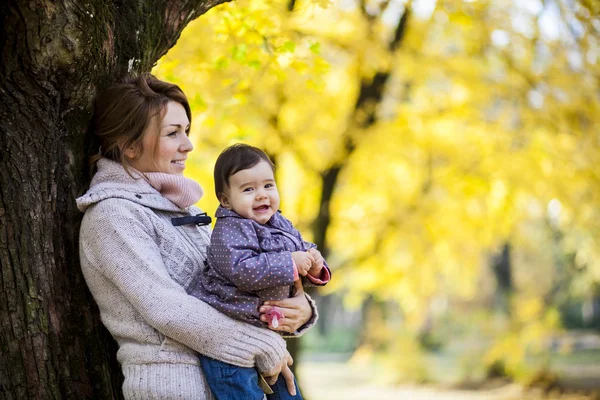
138 261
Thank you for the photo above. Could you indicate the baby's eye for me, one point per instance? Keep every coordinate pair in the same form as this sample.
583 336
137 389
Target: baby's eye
248 189
269 185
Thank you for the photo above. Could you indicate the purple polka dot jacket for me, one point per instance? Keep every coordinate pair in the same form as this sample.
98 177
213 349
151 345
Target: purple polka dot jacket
249 263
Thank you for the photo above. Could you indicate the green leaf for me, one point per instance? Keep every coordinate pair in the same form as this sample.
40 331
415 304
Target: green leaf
221 63
315 47
239 52
254 64
288 47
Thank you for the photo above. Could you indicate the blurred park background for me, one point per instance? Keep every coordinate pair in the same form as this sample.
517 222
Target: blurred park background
444 156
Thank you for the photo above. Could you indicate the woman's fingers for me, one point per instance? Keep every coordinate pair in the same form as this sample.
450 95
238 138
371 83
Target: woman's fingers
288 375
298 286
293 302
288 313
296 311
283 325
272 374
283 368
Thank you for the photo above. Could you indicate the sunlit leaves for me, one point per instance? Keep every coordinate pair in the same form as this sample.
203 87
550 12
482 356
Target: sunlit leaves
486 133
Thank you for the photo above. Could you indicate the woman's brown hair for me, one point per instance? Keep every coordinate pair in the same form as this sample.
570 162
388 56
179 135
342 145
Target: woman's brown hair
123 111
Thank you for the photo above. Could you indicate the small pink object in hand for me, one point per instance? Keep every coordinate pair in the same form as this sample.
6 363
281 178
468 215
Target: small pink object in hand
274 316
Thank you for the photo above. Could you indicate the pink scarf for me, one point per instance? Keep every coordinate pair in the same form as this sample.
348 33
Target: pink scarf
182 191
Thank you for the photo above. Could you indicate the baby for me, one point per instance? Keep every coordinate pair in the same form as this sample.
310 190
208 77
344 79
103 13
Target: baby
256 254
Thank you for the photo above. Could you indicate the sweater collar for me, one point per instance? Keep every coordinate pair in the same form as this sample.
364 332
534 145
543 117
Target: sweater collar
180 190
112 181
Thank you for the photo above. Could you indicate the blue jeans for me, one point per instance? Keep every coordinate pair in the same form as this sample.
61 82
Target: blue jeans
229 382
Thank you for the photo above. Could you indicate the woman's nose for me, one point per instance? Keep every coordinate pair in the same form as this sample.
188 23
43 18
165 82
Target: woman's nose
186 145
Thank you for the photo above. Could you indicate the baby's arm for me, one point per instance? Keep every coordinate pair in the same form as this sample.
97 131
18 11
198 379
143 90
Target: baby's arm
319 273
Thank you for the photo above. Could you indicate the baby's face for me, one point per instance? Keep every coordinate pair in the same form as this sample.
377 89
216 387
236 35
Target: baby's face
252 193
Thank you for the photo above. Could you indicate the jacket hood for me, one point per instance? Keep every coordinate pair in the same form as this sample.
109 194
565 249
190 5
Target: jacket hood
223 212
112 181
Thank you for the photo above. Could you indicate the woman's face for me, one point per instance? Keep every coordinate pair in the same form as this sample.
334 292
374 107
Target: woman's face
173 144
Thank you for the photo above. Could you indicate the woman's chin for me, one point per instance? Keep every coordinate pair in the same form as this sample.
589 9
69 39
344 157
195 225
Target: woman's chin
176 170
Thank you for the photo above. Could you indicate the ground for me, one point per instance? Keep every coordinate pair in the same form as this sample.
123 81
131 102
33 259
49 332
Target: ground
332 376
345 381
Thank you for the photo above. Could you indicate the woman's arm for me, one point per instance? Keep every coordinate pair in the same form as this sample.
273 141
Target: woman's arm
117 241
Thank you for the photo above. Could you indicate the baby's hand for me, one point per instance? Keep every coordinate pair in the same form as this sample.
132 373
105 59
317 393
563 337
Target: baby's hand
304 261
318 263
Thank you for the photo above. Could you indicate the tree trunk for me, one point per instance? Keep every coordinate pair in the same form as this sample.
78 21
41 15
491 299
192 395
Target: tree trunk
55 55
365 116
502 268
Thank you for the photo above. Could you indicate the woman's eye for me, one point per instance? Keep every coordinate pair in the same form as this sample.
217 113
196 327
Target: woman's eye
171 134
187 131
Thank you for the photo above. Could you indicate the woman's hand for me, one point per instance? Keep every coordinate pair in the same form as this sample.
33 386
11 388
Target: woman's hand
296 312
284 368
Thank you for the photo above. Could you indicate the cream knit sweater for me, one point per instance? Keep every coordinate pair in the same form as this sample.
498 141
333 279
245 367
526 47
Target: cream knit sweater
138 267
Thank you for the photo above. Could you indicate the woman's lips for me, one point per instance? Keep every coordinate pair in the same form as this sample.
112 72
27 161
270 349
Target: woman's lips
179 163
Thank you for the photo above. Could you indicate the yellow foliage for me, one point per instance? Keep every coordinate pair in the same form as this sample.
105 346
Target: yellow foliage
486 133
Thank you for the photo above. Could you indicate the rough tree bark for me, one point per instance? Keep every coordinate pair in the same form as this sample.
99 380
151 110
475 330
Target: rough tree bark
55 55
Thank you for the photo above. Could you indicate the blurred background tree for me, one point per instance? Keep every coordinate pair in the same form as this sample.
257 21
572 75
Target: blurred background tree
442 154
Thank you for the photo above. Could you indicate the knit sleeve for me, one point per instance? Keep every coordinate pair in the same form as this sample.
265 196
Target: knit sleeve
117 239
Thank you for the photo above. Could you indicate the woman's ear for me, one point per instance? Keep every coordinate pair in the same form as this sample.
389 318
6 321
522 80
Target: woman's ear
131 152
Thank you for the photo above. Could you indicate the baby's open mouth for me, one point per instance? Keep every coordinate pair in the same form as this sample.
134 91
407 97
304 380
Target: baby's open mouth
262 208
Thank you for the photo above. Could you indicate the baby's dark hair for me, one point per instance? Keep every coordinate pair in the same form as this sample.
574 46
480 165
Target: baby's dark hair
236 158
